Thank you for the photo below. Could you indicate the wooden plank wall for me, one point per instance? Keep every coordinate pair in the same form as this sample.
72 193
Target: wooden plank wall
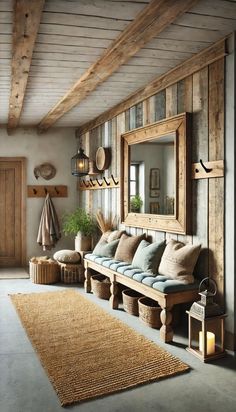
203 95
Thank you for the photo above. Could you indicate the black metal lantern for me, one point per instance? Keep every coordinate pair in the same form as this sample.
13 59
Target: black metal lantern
80 164
206 324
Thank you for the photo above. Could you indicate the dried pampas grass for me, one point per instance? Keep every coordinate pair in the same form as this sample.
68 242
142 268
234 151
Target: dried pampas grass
105 224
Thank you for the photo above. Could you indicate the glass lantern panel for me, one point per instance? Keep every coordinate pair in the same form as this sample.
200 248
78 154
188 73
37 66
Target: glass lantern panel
195 328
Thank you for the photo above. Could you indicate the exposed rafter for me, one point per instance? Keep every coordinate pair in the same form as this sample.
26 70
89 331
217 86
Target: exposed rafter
26 20
190 66
152 20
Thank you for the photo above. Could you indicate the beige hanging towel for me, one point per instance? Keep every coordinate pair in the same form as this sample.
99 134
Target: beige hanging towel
49 229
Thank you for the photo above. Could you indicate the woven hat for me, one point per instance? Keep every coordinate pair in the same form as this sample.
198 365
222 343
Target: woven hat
46 170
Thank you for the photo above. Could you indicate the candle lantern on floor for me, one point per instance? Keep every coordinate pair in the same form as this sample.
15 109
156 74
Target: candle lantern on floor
206 324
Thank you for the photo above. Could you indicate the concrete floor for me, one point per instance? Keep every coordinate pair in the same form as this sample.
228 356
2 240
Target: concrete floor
24 386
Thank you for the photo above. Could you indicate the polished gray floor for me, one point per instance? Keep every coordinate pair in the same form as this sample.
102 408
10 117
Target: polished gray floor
24 386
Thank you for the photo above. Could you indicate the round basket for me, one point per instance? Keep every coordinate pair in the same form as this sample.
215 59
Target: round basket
103 158
100 286
130 301
149 312
44 272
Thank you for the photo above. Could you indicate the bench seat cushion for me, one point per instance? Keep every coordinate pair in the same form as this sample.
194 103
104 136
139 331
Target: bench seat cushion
161 283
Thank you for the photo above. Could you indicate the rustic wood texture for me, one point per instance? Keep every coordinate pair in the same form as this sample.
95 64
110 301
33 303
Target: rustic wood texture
192 65
12 212
193 97
217 170
26 20
216 186
153 19
42 191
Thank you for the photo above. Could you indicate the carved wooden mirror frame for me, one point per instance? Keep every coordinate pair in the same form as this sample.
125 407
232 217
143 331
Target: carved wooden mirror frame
179 222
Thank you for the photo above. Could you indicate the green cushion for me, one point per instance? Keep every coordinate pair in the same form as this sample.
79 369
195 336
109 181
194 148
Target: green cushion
106 249
148 255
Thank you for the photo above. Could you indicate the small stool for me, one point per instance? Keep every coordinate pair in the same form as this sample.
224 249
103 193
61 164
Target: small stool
44 272
71 272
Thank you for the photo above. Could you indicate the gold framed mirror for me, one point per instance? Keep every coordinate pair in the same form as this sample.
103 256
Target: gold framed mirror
155 181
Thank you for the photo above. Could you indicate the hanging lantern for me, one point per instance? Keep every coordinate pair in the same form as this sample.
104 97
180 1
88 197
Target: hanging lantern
206 324
80 164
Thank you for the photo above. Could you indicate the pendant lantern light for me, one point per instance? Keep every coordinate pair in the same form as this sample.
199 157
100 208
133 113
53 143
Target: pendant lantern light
80 164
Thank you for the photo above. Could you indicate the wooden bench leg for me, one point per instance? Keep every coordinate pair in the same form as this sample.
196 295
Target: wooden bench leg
166 331
114 301
87 281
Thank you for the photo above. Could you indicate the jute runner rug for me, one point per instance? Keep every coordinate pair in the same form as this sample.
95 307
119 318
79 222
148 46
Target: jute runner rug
85 351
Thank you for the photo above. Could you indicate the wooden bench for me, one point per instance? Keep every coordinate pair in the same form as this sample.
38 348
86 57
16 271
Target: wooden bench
165 300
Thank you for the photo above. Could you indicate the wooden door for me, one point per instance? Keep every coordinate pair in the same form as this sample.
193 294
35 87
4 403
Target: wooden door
12 212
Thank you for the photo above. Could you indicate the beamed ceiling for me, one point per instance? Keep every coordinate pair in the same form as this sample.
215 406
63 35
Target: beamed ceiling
65 62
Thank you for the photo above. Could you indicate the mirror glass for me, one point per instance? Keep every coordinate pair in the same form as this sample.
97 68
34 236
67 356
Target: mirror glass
152 176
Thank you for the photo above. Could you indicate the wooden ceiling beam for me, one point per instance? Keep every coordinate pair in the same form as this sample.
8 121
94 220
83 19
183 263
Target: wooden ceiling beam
26 20
183 70
152 20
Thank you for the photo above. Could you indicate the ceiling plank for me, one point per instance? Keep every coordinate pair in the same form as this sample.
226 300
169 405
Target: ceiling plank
152 20
183 70
26 20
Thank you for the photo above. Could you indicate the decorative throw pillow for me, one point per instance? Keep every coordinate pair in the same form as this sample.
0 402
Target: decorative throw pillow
111 235
67 256
106 249
127 247
148 255
178 261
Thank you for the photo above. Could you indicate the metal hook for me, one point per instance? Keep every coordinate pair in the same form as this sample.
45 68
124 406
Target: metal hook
85 184
105 180
115 182
91 181
56 190
35 191
99 183
207 170
45 191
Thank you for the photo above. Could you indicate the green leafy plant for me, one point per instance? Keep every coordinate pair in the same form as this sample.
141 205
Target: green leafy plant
136 203
78 221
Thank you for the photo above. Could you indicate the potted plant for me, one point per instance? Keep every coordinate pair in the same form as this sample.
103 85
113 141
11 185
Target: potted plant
82 224
136 203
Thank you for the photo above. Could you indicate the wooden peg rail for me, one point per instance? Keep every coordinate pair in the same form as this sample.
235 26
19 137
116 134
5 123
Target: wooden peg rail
41 191
102 183
206 170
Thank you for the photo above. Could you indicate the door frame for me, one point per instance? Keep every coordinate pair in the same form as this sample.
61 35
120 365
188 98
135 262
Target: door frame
22 161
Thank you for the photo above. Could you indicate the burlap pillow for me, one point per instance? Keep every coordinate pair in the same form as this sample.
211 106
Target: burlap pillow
67 256
127 247
178 261
111 235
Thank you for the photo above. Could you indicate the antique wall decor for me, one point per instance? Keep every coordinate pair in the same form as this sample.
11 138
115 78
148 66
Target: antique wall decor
46 170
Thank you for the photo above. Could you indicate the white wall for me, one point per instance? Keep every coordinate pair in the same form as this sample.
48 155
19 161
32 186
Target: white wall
57 146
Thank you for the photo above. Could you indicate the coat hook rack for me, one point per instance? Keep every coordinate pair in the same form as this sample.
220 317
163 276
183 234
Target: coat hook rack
42 191
208 170
94 184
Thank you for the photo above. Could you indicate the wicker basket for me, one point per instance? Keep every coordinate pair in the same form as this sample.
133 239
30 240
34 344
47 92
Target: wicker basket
100 286
149 312
130 301
44 272
71 273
